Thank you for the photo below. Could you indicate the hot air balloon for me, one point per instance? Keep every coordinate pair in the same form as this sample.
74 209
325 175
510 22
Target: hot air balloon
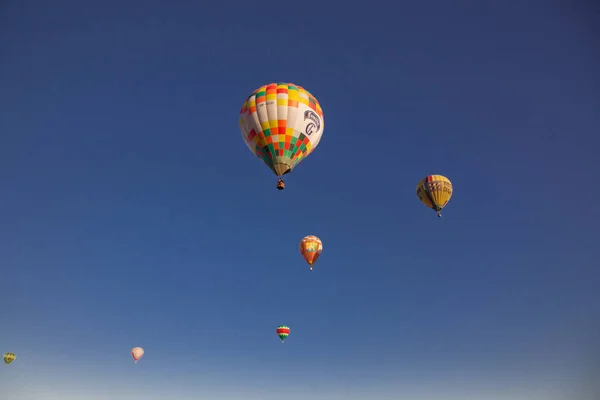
137 353
311 248
283 332
435 191
9 357
281 123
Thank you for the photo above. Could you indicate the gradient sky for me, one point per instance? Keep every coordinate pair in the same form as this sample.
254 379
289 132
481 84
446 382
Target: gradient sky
132 213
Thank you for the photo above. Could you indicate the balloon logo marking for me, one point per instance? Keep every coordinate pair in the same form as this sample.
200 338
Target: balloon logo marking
315 125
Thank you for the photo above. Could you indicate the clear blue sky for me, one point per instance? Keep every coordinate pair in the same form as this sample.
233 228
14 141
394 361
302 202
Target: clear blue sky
132 213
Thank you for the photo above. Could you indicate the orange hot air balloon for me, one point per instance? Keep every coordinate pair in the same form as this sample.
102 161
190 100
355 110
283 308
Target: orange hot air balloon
311 248
137 353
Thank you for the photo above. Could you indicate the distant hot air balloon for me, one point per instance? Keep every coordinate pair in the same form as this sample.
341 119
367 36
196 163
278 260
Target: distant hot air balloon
311 248
283 332
9 357
137 353
281 123
435 191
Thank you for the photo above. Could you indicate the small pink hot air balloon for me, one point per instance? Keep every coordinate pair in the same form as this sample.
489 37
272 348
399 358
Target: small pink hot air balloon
137 353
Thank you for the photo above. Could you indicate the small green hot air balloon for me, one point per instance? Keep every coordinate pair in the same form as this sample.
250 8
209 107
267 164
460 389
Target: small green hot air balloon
283 332
9 357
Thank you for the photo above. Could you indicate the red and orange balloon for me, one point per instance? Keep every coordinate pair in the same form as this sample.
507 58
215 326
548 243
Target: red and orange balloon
311 248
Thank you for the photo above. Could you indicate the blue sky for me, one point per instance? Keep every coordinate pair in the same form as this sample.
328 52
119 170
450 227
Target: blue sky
134 215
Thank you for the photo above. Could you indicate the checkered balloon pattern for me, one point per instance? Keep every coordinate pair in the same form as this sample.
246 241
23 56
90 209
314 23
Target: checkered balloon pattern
281 123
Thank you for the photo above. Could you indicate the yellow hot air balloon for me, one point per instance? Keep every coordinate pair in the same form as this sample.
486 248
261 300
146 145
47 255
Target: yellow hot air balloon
435 191
281 123
137 353
311 248
9 357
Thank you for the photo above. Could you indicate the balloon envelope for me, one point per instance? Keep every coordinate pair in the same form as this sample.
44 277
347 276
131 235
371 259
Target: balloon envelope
137 353
281 123
283 332
435 191
311 248
9 357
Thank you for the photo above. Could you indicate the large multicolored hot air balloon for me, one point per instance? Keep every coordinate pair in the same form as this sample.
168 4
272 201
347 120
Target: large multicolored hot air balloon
283 332
9 357
281 123
435 191
137 353
311 248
